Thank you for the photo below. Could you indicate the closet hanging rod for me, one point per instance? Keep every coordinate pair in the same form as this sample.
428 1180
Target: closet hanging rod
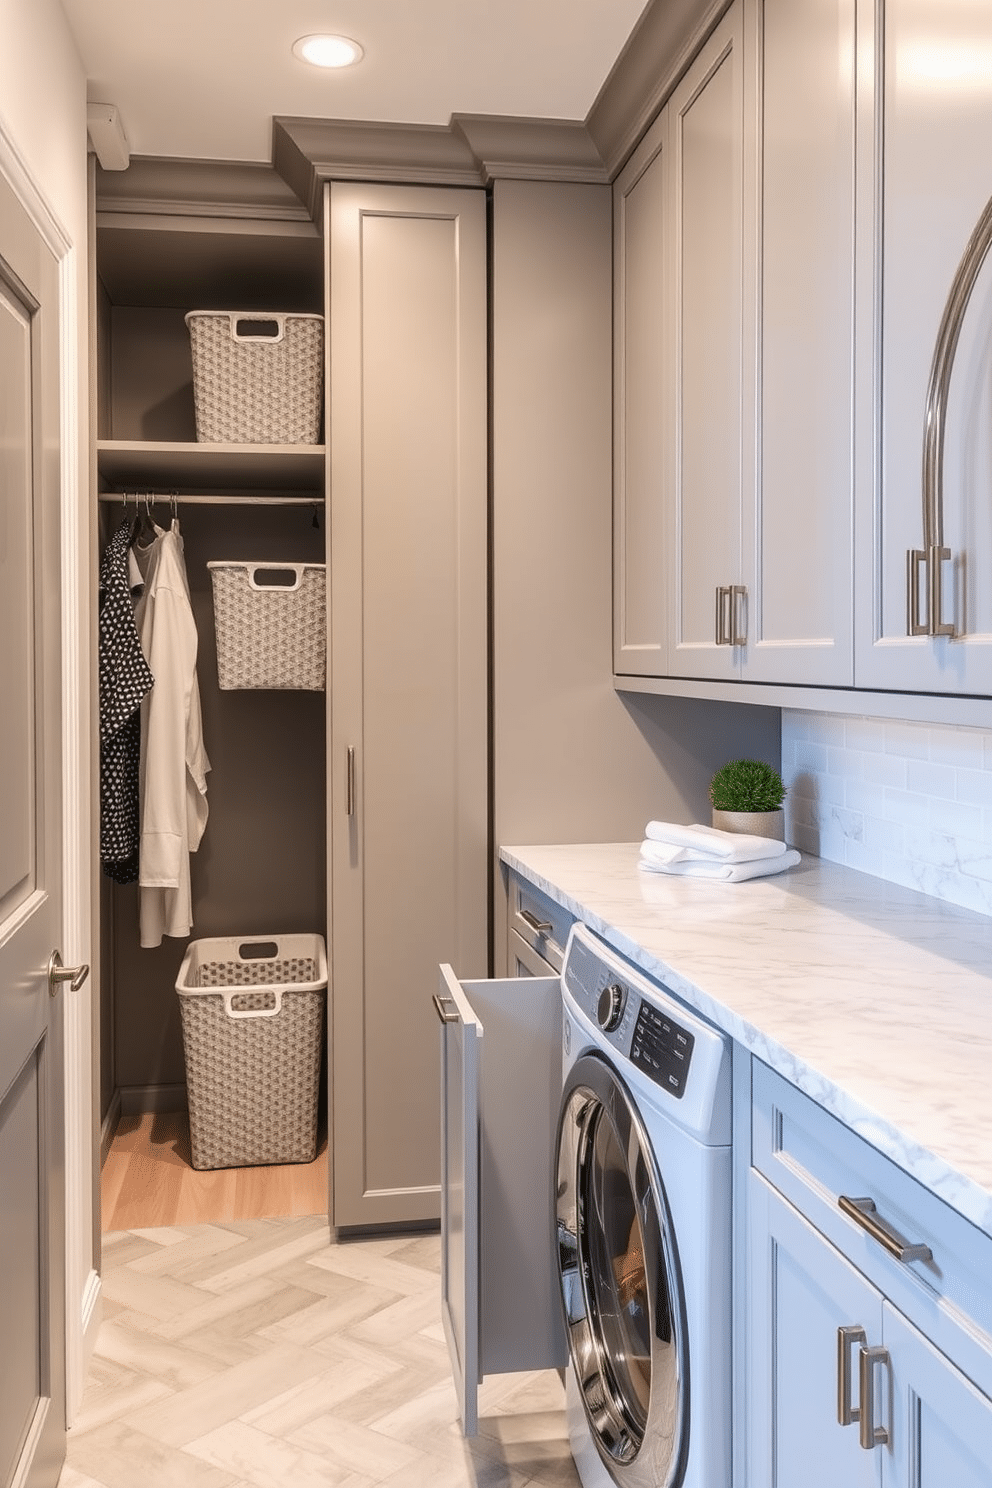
165 498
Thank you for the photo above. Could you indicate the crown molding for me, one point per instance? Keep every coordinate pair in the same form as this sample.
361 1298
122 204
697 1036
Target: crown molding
155 186
475 149
308 152
521 149
657 53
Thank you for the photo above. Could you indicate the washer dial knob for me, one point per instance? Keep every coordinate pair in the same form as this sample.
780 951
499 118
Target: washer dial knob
610 1007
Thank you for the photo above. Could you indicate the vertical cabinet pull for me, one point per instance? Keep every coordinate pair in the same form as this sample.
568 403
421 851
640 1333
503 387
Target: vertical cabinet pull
847 1337
350 781
935 417
870 1435
738 609
731 615
929 623
722 606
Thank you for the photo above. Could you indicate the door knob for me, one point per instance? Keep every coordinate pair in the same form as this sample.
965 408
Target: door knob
57 974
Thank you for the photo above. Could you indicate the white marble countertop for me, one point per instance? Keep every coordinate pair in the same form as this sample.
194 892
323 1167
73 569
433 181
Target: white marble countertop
873 999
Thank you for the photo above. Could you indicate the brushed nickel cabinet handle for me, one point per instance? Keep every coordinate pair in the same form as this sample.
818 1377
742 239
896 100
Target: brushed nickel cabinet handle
738 603
847 1413
865 1214
443 1014
936 557
542 927
724 620
870 1435
350 781
914 625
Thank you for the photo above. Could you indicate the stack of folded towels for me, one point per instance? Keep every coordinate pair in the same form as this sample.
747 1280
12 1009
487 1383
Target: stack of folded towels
705 852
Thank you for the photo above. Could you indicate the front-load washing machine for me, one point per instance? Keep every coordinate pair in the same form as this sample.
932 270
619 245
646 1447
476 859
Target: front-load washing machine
643 1228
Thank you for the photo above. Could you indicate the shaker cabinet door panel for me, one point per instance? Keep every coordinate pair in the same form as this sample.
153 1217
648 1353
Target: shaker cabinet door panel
642 339
408 606
941 1425
799 534
932 102
801 1291
706 124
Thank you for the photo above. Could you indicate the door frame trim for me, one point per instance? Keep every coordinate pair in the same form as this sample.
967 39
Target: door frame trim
82 1279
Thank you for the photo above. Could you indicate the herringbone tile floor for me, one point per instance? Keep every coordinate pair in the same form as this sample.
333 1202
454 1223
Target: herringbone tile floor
256 1354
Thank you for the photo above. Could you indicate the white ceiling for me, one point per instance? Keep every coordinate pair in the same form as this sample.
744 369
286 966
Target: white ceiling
203 78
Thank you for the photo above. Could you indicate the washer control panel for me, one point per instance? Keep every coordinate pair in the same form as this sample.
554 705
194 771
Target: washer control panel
647 1031
662 1049
609 1008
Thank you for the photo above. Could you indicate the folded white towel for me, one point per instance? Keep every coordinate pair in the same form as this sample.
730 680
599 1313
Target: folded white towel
654 862
710 844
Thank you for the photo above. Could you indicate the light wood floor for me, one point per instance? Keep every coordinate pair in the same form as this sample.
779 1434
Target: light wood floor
148 1181
262 1355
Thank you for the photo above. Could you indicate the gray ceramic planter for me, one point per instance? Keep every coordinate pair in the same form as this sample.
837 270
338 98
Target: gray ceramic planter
757 823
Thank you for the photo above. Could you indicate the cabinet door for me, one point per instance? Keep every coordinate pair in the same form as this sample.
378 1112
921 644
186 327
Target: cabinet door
931 118
642 394
798 531
500 1092
941 1430
801 1291
706 142
408 752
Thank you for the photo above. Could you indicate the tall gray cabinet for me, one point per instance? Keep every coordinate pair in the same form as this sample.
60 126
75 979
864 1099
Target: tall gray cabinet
407 764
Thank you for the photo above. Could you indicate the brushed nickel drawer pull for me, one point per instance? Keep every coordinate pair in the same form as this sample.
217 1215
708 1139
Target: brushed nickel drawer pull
864 1213
542 927
870 1435
439 1008
847 1413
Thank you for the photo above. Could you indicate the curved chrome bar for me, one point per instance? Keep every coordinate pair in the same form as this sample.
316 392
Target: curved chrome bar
933 552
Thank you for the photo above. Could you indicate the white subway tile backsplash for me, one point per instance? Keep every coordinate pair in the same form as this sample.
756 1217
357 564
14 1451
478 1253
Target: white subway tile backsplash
975 787
929 779
909 741
907 802
864 733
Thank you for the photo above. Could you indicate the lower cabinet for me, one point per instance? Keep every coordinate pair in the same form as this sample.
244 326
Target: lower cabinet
842 1385
842 1388
500 1092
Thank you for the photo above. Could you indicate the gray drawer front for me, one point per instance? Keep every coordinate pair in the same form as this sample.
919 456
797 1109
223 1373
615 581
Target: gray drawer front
527 901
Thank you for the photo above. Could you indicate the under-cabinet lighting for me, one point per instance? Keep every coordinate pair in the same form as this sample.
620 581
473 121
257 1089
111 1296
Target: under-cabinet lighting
328 51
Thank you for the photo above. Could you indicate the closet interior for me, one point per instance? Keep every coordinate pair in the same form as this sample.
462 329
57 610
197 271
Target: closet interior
261 866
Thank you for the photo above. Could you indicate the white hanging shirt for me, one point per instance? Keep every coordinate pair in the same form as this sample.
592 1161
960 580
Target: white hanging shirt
174 764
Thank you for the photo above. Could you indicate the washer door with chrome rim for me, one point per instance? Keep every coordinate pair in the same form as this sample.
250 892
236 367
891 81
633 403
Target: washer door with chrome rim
620 1280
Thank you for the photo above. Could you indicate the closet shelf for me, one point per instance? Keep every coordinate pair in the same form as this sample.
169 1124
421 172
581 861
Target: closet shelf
133 464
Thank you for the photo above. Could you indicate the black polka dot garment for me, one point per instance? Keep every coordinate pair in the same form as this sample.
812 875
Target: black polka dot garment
125 678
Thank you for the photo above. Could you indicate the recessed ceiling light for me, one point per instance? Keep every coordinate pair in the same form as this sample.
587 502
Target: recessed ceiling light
328 51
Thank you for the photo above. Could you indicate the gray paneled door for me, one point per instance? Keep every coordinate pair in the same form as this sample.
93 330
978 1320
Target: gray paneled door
32 1226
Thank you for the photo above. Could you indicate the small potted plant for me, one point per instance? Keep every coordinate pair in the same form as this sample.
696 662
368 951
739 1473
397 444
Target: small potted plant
747 796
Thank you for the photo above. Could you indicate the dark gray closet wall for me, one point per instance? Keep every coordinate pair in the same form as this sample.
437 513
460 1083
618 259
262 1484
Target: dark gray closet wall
261 866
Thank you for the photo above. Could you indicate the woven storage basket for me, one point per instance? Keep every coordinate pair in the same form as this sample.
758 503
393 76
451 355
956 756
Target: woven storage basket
252 1016
270 635
252 388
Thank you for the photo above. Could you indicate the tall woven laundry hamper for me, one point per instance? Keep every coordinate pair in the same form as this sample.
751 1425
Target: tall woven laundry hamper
252 1018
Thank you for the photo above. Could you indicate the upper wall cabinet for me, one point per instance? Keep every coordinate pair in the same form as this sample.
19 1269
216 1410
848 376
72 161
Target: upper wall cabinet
799 514
734 230
926 128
